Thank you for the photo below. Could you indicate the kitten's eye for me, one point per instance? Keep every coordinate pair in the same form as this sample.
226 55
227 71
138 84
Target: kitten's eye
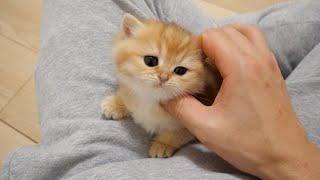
151 61
180 70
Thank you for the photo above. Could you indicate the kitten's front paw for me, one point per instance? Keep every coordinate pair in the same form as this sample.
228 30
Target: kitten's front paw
112 108
160 150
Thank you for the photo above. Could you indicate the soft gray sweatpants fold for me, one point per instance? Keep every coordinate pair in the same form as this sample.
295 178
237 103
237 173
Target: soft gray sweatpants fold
75 72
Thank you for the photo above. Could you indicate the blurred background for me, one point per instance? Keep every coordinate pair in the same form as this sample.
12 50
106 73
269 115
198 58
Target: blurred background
19 51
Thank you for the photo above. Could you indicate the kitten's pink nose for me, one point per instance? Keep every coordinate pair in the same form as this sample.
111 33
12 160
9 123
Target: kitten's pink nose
163 77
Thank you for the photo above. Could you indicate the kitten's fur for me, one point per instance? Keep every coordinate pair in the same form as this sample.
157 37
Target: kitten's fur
140 89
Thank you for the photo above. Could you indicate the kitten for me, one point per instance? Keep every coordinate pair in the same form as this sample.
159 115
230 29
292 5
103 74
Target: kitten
156 62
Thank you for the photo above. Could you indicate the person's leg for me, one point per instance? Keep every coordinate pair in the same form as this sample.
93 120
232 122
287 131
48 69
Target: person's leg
304 88
74 74
292 29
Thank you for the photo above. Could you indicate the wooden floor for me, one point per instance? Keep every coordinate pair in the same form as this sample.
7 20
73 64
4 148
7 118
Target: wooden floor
19 50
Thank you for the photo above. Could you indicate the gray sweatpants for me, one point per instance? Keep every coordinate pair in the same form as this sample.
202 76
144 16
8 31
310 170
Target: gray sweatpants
75 72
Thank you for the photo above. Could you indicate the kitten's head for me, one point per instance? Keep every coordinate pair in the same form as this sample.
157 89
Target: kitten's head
158 59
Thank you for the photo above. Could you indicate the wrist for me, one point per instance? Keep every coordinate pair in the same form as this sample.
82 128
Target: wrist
305 164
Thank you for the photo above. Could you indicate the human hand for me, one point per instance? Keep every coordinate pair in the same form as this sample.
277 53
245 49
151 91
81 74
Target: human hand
251 123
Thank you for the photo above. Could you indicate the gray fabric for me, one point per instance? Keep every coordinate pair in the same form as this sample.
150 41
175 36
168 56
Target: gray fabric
75 73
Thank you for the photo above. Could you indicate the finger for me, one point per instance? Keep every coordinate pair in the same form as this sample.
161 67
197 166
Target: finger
254 34
220 48
188 111
240 40
257 38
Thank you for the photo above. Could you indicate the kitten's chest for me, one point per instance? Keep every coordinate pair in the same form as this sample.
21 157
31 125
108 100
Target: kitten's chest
150 115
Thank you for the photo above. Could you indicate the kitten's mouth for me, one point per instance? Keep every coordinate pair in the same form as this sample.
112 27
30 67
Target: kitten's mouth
159 85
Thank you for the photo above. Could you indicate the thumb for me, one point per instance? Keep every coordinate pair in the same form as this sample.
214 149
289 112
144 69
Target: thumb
188 111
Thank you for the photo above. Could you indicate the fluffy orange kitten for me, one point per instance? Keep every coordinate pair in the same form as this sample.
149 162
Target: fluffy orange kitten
156 62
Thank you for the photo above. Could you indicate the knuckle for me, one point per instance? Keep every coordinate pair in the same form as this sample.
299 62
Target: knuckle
227 28
220 30
254 28
213 32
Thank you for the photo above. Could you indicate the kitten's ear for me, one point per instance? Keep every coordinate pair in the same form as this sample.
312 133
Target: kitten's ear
130 24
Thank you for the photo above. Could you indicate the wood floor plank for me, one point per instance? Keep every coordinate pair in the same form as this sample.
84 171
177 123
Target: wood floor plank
22 113
16 66
242 6
10 139
20 21
215 11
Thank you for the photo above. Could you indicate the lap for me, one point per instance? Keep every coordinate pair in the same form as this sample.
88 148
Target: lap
75 72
